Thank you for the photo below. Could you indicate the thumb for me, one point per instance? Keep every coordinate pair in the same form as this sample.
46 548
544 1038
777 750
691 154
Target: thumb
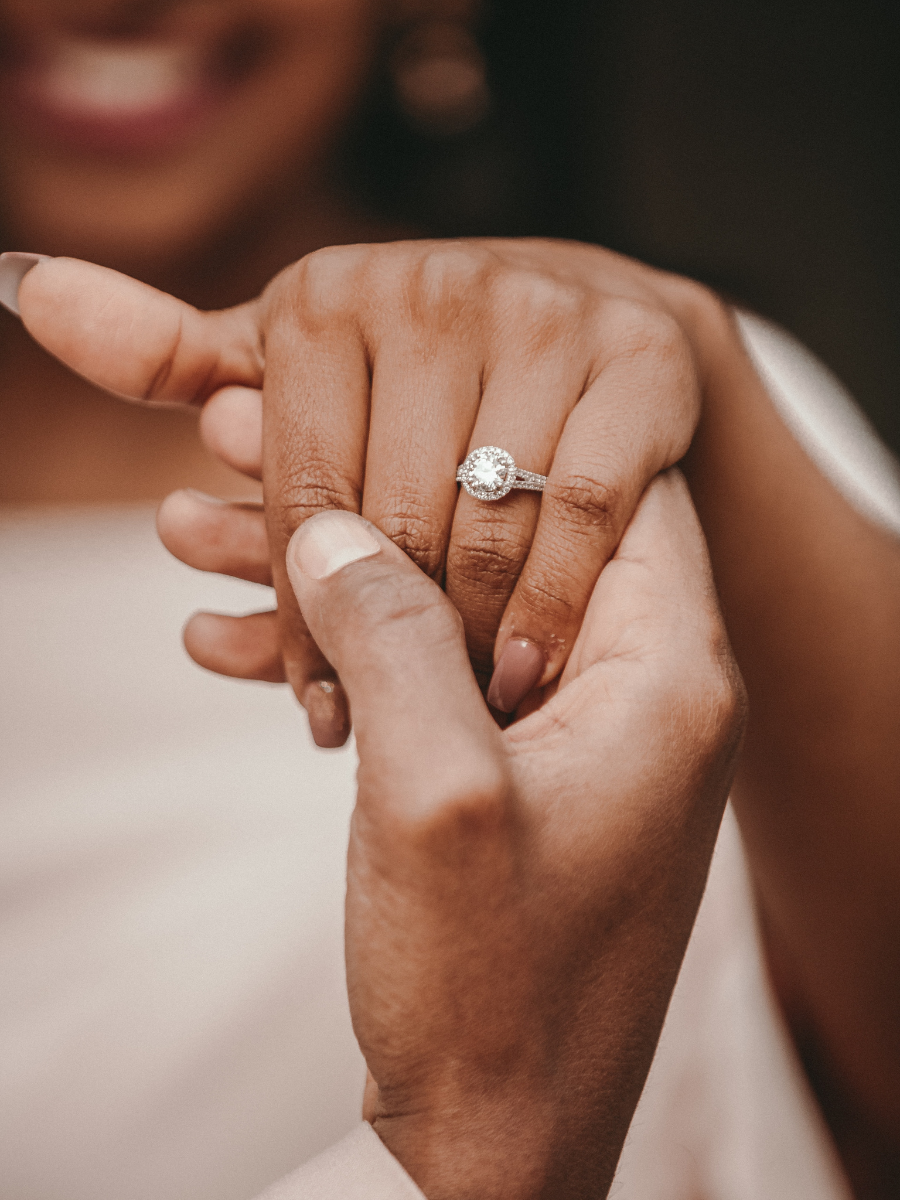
131 339
423 731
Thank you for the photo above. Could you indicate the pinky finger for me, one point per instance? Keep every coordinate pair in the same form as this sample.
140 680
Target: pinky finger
248 648
240 647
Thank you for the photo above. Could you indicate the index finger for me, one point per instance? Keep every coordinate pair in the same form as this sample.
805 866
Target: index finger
129 338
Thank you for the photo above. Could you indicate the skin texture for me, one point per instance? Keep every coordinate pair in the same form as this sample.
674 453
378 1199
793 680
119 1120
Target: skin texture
487 866
596 379
428 328
810 592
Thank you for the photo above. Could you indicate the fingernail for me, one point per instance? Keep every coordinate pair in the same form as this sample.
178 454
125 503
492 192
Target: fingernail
520 667
14 266
329 541
326 706
203 497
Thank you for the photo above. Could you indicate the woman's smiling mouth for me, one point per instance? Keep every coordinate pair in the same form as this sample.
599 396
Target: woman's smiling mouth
119 94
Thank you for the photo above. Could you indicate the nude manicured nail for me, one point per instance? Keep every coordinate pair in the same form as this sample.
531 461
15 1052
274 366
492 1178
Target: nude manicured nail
14 266
329 541
520 667
326 706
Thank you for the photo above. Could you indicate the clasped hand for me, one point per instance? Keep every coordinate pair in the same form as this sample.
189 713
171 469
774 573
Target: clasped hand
518 901
380 367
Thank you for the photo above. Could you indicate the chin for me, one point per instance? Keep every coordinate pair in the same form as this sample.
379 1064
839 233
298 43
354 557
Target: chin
136 228
143 218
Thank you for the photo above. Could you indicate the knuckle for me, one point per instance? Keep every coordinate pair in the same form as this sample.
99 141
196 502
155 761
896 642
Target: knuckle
193 384
697 300
652 341
713 693
419 537
385 600
542 309
581 502
729 701
454 820
306 490
488 558
451 267
444 282
636 327
462 814
536 297
157 385
540 599
322 286
388 611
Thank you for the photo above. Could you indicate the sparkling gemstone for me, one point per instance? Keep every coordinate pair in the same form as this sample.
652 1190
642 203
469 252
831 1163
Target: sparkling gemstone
487 473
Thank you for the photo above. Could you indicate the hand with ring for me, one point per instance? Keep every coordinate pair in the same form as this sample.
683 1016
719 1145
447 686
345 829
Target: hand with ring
364 378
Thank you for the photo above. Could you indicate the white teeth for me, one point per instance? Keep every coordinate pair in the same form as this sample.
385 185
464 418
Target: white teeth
118 77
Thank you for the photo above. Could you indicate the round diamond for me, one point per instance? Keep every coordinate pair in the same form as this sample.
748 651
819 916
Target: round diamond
488 473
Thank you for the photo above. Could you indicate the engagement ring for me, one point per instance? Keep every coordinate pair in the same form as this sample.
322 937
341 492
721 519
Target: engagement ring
489 473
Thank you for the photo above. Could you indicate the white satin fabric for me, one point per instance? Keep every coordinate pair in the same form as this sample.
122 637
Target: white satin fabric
173 1015
173 1018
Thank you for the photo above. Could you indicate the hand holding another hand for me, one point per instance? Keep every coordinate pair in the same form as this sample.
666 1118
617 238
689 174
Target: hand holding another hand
519 902
381 367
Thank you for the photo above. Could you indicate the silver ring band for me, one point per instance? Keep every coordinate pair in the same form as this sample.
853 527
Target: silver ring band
489 473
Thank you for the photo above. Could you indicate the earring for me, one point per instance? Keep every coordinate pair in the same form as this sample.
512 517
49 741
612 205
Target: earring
440 78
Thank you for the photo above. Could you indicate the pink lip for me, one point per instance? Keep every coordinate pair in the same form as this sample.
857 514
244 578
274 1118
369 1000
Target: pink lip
159 128
160 124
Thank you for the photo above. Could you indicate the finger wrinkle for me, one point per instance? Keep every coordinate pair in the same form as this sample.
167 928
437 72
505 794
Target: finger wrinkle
419 539
166 367
584 501
289 515
194 395
482 565
541 599
308 489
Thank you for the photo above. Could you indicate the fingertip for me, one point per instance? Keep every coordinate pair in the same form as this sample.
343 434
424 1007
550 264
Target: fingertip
231 427
205 639
518 672
14 266
327 543
186 525
240 647
328 711
176 514
86 315
210 534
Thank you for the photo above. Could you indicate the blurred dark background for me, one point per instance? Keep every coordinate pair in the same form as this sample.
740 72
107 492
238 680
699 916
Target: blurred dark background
751 145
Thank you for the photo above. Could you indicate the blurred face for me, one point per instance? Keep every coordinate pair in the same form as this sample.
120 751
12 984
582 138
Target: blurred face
131 130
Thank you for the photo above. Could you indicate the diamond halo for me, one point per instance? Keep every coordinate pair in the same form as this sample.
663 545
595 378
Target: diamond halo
488 473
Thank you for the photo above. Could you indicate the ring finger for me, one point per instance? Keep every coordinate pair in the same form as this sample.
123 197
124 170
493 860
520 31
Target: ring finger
523 412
